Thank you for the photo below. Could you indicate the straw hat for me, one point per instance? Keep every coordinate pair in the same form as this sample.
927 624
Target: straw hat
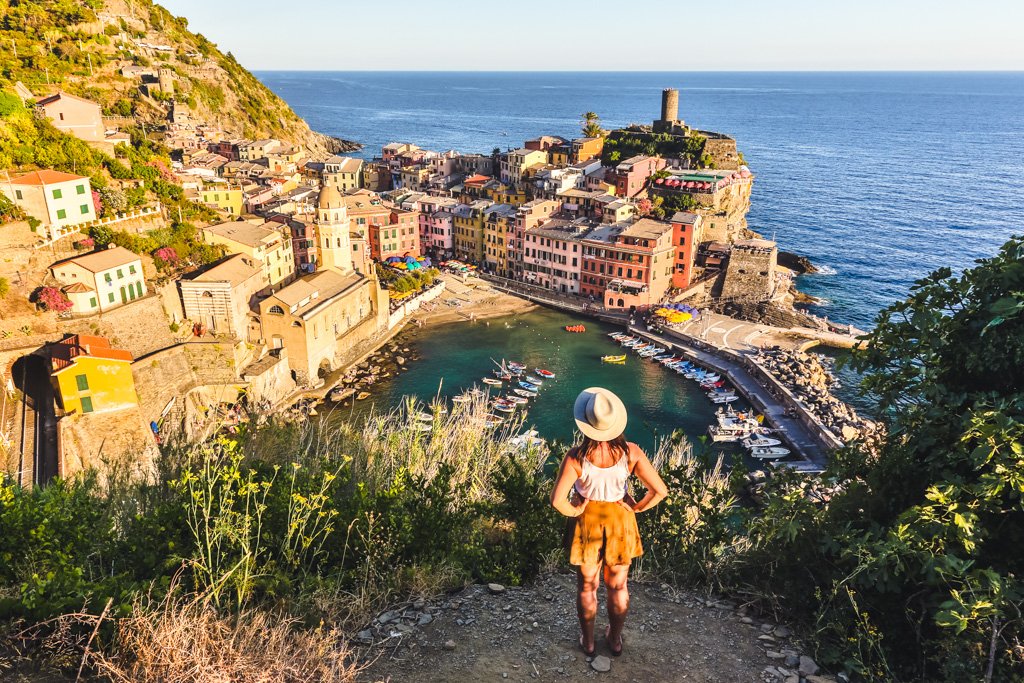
599 414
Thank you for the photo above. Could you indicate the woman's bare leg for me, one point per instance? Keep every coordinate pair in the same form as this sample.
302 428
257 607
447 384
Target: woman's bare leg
615 577
587 580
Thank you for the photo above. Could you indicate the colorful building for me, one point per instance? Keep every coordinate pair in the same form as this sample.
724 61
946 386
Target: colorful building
685 230
59 201
515 163
468 226
230 200
628 266
90 376
584 149
266 244
528 216
102 280
630 176
399 237
344 173
553 254
499 229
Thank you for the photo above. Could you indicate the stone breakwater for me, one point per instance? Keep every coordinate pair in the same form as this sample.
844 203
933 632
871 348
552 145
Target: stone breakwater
388 361
811 381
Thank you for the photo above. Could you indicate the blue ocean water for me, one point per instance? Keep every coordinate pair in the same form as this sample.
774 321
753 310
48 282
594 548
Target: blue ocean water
878 177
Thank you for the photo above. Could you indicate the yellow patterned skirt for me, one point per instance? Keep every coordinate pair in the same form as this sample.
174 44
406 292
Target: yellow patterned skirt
605 532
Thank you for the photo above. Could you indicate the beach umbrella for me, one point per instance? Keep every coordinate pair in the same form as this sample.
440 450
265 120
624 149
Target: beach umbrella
392 259
662 312
425 260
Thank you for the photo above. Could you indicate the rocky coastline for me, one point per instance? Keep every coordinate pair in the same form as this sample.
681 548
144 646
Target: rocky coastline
809 377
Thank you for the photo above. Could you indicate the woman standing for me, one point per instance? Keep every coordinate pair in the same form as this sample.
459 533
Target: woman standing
603 533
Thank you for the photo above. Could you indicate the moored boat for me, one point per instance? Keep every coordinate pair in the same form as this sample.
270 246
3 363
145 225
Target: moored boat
769 452
760 441
614 359
535 381
524 393
547 374
526 386
491 381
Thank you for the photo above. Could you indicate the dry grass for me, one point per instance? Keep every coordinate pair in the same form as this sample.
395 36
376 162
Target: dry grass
186 640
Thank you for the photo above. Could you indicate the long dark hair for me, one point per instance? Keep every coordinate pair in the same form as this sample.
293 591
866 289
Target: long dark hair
618 446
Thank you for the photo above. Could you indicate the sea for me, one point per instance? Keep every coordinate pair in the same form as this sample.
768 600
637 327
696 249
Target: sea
878 178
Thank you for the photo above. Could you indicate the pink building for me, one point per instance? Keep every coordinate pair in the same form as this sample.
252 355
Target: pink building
630 176
553 255
528 216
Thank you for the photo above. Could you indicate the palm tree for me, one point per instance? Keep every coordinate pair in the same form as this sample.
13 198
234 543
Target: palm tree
590 124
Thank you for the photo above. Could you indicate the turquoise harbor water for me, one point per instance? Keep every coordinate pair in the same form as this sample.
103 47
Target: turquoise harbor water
459 355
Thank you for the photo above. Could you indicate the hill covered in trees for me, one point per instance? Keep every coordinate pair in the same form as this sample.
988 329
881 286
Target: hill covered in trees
84 46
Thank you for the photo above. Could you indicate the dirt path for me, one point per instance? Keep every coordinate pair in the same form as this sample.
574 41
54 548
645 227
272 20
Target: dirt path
530 634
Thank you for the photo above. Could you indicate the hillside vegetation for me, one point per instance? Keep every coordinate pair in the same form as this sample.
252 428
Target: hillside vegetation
81 46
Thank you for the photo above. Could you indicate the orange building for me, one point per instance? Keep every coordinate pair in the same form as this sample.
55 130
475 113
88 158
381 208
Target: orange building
628 266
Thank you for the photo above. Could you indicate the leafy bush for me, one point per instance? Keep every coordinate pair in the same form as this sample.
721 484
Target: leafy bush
51 299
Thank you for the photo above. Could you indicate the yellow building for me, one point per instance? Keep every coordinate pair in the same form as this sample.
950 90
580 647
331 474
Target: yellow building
468 226
500 193
230 200
586 148
499 227
515 163
265 244
89 376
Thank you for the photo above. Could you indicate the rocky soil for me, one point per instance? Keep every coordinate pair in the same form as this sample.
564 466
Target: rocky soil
493 633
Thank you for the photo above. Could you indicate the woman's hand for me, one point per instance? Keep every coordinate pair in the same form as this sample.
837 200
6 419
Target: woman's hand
628 502
578 502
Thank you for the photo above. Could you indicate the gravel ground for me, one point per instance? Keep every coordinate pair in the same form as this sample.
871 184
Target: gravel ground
492 633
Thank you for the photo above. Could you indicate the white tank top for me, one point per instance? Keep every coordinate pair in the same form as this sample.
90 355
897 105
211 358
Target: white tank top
604 484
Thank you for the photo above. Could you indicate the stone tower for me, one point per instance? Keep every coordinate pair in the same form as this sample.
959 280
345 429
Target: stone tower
669 104
332 230
670 121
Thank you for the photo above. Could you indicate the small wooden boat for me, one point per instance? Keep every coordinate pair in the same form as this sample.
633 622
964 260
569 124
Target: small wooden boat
362 395
518 400
546 374
504 408
424 417
614 359
526 386
535 381
491 381
440 410
769 452
503 376
421 427
461 398
492 420
524 393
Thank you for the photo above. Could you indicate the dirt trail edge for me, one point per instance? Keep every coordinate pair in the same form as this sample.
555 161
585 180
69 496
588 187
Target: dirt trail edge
493 633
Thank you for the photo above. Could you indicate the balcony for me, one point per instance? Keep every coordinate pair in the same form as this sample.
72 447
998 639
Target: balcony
627 287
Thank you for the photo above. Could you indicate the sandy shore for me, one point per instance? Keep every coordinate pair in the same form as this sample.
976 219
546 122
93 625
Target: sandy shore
469 301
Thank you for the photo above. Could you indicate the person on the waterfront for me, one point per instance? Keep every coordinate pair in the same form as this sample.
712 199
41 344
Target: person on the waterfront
602 533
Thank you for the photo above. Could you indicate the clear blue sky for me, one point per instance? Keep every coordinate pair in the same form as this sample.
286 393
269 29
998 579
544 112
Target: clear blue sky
670 35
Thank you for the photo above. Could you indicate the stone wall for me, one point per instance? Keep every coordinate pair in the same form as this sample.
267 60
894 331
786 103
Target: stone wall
723 152
750 273
140 327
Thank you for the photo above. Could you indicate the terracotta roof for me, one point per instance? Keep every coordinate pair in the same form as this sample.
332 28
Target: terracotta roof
77 288
104 259
46 177
64 352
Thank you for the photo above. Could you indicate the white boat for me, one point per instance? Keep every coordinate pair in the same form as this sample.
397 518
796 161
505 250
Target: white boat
712 378
724 399
519 400
504 407
528 439
461 398
424 417
524 393
535 381
491 381
769 452
760 441
420 427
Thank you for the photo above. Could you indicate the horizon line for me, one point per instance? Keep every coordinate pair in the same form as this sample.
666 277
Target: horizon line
658 71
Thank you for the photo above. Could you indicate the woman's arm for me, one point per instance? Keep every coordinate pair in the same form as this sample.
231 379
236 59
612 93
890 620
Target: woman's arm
656 489
568 473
